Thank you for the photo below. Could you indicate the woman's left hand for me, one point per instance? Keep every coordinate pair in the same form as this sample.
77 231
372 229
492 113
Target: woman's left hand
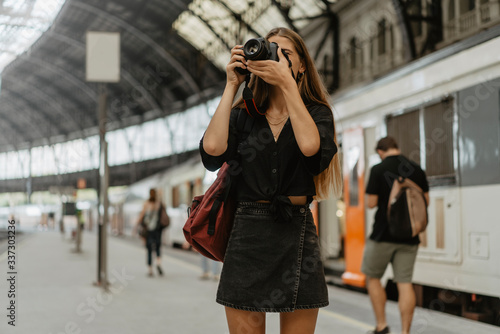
276 73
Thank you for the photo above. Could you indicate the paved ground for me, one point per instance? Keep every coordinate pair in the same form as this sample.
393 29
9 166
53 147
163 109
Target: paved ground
55 294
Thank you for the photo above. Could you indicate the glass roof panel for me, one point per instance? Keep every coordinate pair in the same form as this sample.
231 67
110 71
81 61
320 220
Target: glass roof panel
215 26
305 9
270 19
21 24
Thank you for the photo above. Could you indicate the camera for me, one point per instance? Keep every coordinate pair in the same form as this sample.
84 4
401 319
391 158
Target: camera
259 49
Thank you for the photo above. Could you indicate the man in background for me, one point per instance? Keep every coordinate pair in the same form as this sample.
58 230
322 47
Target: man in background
381 247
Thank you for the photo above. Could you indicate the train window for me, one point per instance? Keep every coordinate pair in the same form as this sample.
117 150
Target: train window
175 197
406 130
354 185
479 134
438 131
425 136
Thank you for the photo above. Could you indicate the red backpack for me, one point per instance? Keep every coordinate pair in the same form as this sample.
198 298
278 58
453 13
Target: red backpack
211 216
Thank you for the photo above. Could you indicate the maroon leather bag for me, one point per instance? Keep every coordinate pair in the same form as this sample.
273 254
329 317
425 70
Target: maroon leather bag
211 217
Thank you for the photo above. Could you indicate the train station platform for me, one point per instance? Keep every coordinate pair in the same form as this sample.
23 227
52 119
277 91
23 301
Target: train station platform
55 294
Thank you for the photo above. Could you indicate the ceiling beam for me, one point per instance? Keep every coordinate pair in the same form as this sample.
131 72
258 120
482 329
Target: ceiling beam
284 12
33 108
43 96
129 78
162 52
64 74
27 126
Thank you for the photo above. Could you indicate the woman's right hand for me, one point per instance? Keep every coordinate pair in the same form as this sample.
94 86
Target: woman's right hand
237 61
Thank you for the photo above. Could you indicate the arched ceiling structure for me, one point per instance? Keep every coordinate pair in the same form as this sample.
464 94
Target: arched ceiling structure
173 55
45 98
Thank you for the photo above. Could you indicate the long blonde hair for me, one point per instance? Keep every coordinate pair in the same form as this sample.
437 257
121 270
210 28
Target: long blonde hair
312 91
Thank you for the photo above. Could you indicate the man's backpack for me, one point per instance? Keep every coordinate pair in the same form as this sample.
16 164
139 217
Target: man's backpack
407 209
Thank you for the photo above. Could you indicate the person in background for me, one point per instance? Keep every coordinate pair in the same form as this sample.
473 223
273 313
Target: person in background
208 265
381 248
273 261
150 220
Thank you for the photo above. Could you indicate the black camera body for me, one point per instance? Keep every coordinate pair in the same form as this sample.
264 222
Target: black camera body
259 49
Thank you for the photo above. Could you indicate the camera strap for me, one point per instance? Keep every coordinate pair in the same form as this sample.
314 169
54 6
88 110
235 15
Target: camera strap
250 105
289 64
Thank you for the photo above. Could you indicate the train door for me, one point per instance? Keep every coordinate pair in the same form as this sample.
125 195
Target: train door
354 201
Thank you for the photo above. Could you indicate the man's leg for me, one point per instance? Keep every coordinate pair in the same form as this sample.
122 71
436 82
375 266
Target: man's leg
376 257
403 265
378 298
406 305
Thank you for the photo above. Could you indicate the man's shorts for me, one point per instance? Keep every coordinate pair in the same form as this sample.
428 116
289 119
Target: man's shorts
378 255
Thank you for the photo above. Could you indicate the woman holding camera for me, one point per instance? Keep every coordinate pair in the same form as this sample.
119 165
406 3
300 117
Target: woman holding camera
273 261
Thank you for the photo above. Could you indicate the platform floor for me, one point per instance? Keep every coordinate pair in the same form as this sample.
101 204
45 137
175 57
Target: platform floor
55 294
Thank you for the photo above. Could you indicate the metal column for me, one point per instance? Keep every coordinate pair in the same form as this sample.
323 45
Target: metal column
102 273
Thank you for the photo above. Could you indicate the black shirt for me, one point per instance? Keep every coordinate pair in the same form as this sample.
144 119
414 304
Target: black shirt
380 183
269 168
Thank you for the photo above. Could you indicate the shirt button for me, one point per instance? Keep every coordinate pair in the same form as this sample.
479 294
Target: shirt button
275 153
302 210
274 170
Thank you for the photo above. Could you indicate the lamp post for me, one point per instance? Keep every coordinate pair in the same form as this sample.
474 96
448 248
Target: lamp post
103 66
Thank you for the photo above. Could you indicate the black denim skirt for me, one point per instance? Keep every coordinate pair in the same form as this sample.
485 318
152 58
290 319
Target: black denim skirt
271 265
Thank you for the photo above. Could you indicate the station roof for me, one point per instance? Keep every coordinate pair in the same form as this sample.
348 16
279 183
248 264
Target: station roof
173 56
45 98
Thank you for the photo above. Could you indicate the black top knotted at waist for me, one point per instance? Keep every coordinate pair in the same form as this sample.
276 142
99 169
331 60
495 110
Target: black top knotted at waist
282 208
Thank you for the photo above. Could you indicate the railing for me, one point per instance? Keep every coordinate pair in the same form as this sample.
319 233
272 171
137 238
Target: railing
350 75
485 13
468 21
377 66
481 17
383 63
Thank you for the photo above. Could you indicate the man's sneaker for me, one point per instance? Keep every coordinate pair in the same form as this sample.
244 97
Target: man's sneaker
386 330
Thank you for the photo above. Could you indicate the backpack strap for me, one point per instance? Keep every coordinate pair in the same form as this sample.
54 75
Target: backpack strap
244 124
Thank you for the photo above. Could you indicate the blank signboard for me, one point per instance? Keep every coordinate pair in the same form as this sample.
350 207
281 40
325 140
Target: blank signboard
103 56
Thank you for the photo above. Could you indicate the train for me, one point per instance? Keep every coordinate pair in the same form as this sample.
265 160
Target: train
444 111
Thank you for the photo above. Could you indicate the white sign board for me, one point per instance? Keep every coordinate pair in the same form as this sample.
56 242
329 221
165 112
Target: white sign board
103 56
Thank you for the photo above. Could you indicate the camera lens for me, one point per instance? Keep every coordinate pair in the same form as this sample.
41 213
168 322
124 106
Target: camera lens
252 49
256 49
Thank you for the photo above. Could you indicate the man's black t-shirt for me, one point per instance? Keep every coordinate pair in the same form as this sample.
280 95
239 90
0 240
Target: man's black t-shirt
380 183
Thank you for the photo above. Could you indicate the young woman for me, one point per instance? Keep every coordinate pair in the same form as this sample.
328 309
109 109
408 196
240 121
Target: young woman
149 217
273 261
